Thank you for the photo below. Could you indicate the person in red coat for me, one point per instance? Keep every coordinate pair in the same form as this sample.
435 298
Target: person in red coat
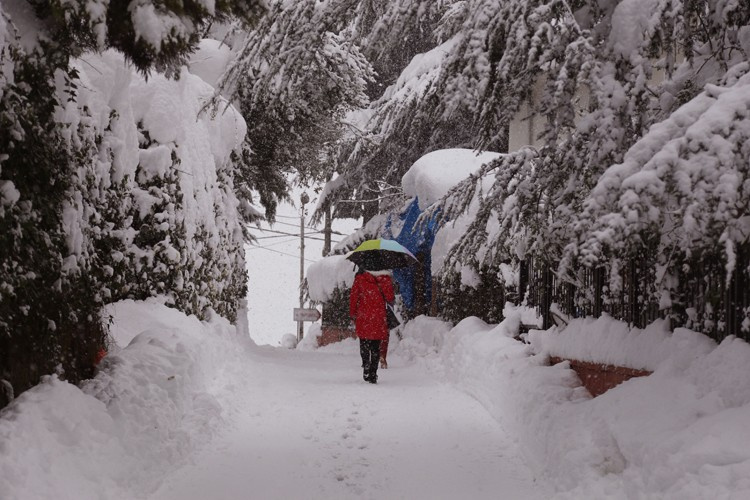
370 291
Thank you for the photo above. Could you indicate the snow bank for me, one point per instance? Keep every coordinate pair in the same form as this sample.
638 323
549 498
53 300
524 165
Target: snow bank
150 405
423 337
680 433
609 341
309 340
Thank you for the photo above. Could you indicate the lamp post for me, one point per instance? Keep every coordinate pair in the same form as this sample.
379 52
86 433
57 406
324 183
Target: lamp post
304 199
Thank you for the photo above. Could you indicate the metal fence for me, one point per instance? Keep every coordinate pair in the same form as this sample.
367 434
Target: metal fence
702 296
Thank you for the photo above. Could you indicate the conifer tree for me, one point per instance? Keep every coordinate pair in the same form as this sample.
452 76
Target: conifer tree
603 87
296 75
406 41
609 72
53 282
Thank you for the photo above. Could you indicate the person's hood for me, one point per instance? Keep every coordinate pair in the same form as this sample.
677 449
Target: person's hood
380 273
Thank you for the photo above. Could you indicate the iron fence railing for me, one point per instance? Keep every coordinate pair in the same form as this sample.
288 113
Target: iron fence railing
702 296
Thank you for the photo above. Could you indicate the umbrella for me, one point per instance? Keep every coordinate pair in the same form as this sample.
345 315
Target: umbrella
380 254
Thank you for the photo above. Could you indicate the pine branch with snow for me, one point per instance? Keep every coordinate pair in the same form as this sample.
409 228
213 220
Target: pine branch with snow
88 215
294 78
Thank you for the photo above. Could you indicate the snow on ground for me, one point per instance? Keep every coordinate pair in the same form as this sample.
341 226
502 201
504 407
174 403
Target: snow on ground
194 410
191 410
309 427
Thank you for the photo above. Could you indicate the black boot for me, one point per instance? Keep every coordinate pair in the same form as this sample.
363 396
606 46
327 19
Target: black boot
370 351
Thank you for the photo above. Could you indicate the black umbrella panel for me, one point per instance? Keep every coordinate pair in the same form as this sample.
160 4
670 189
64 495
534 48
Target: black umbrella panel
380 260
381 254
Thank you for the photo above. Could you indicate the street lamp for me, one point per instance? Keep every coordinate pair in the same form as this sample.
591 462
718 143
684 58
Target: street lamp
304 199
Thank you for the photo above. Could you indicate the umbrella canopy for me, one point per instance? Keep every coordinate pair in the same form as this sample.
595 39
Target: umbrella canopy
380 254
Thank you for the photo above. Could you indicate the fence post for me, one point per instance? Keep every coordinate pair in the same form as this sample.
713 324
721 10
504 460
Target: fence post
598 290
523 280
633 315
735 298
570 300
434 305
546 296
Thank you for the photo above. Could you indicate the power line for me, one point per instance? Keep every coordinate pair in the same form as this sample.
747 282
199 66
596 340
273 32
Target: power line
267 237
279 232
274 244
282 253
308 227
291 234
290 240
280 235
294 225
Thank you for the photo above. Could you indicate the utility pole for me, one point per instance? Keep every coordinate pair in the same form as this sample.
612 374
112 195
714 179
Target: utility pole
304 198
327 232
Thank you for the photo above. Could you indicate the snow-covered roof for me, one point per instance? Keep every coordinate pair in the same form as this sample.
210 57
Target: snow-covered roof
210 60
325 275
429 179
434 174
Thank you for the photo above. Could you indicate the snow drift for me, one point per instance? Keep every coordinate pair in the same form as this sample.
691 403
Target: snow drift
680 433
151 404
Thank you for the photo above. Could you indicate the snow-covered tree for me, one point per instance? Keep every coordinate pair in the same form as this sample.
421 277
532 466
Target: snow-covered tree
609 71
682 192
406 42
153 34
390 33
295 76
66 199
604 85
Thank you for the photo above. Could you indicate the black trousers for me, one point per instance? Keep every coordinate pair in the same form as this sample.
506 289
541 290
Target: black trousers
370 352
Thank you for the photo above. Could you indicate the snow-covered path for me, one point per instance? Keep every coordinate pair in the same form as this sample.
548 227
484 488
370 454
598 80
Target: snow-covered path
304 425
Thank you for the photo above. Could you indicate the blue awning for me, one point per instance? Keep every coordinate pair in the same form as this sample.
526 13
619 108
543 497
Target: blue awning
418 239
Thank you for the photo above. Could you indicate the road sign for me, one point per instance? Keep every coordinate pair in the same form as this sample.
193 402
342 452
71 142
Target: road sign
306 314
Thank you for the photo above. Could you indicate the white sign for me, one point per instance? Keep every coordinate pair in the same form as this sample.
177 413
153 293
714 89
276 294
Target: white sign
306 314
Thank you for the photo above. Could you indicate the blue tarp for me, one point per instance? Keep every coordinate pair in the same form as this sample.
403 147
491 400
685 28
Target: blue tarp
418 239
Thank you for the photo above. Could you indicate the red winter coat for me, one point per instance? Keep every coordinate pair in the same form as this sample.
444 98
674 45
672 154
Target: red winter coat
367 305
